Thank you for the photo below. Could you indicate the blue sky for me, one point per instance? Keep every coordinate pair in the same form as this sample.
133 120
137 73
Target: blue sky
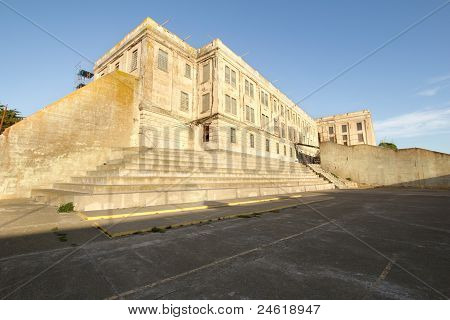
296 44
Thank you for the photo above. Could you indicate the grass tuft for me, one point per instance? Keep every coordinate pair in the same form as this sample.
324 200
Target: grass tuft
67 207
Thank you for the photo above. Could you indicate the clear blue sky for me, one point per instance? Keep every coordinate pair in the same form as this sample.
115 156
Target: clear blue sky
301 44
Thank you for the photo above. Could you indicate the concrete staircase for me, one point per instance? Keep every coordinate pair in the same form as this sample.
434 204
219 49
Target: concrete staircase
154 177
340 183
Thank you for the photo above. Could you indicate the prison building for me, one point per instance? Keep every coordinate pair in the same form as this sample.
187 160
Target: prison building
162 123
347 129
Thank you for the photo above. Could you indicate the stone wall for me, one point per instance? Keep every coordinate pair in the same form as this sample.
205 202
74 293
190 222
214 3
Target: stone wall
70 136
380 166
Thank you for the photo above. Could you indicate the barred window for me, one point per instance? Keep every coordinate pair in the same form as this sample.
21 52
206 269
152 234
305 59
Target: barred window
206 133
184 102
227 74
267 145
264 121
252 140
249 114
276 127
134 56
360 137
264 99
359 126
233 135
205 102
344 128
249 89
233 78
187 71
278 148
227 103
206 71
233 106
163 60
230 105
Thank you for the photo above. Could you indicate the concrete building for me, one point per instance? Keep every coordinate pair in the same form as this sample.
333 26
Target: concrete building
162 123
347 129
210 97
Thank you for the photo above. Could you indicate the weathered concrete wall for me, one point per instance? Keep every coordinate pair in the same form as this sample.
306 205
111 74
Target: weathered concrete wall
70 136
381 166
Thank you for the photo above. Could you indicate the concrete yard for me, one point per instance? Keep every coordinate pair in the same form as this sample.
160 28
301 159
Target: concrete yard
338 244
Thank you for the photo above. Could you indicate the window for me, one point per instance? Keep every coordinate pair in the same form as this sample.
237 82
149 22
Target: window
205 102
163 60
359 126
184 102
283 130
278 148
330 130
267 145
282 111
275 106
344 128
284 150
187 71
227 75
264 99
264 121
276 127
206 133
291 152
206 72
249 89
233 78
227 103
360 137
249 114
252 140
233 135
117 66
230 76
134 60
230 105
344 137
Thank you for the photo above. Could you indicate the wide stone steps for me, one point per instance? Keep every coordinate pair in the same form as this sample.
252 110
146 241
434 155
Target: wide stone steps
202 164
116 188
172 177
159 177
197 172
92 202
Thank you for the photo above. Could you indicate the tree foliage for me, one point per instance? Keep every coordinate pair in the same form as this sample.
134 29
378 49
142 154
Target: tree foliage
12 116
388 145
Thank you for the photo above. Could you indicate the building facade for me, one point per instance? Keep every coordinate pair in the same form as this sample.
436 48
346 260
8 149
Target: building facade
347 129
207 98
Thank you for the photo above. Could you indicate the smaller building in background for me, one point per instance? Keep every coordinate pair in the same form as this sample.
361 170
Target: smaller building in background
348 129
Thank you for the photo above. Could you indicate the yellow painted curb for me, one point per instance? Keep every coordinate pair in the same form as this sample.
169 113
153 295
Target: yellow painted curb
148 213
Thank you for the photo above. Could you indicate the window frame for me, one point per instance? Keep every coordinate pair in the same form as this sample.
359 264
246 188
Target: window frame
188 71
161 56
206 66
233 138
208 107
134 60
184 95
252 141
